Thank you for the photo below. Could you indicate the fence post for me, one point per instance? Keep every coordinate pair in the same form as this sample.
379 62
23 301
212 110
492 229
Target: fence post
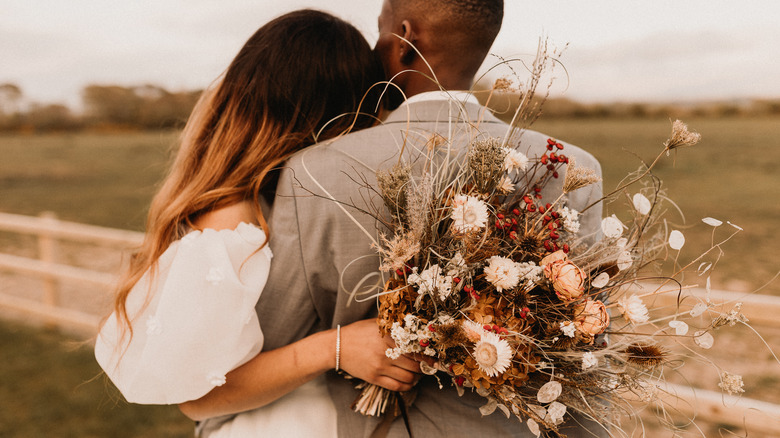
47 251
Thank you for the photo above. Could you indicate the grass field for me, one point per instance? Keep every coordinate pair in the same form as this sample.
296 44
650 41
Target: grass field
734 174
50 386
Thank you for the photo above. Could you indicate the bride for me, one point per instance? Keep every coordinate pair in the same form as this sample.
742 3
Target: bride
184 328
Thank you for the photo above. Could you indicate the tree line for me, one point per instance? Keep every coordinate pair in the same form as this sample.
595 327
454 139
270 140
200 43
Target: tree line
149 107
106 107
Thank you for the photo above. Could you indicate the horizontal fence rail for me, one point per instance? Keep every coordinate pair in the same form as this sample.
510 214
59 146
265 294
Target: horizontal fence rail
48 231
760 417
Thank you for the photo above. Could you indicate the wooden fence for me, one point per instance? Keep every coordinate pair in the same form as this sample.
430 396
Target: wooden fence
49 231
763 418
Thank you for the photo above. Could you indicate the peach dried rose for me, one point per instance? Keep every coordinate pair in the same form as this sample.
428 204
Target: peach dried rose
567 279
554 257
591 317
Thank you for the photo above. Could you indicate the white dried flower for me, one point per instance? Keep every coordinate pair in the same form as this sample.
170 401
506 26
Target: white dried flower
600 281
503 273
731 383
589 361
431 281
492 354
641 204
506 185
568 328
712 222
533 426
555 413
698 309
515 160
612 227
468 213
703 339
530 272
570 218
680 327
633 309
549 392
676 240
624 260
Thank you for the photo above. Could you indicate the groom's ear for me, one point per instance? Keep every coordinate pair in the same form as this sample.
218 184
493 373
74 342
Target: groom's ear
408 52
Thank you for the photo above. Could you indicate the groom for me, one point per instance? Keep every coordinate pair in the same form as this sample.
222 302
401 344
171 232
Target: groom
323 263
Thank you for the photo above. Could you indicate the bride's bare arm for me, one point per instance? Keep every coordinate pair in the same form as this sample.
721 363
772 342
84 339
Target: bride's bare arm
272 374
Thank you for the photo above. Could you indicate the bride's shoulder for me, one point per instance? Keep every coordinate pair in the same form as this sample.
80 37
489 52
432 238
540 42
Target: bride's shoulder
227 218
230 226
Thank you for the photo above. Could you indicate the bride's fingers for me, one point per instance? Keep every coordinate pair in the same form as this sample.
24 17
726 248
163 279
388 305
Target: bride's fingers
400 374
407 363
392 384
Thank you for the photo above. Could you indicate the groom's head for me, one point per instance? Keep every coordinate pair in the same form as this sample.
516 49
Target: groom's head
453 36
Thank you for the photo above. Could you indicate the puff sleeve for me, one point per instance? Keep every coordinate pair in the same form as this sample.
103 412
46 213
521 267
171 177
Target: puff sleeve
193 321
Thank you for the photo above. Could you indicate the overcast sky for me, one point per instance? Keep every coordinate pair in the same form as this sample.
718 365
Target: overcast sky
647 50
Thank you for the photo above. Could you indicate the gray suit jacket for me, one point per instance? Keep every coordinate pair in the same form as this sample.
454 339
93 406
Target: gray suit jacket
318 247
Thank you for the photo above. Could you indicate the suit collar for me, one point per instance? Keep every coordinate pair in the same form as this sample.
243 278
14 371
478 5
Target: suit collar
441 111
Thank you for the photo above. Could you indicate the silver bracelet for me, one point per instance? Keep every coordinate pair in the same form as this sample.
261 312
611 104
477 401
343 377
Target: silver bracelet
338 346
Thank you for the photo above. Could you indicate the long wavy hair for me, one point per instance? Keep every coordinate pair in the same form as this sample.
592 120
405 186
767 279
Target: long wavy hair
299 79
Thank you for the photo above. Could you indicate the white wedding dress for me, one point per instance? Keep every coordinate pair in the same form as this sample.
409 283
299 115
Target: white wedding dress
193 323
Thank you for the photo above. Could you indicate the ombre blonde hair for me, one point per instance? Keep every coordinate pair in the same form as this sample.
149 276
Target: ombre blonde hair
299 79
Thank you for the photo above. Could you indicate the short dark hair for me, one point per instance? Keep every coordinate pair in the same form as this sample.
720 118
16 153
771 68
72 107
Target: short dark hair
475 23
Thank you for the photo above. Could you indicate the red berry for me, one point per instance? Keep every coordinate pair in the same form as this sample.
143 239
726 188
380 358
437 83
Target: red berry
500 216
541 209
456 280
559 146
544 159
555 174
516 212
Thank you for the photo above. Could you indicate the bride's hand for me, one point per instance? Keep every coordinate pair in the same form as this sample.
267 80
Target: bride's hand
363 356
